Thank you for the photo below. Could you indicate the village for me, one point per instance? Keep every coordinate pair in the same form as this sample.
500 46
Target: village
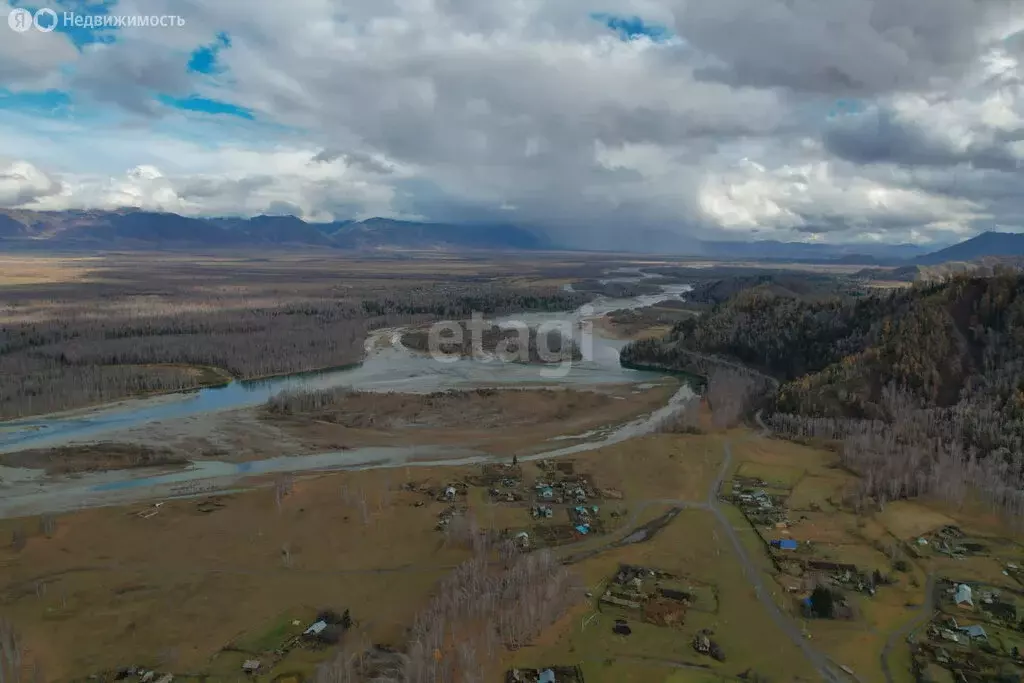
557 506
820 586
976 631
831 569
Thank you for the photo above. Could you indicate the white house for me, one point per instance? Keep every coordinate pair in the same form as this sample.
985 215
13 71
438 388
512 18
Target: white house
963 596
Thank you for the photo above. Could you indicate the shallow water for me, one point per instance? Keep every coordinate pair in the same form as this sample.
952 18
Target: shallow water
387 368
33 495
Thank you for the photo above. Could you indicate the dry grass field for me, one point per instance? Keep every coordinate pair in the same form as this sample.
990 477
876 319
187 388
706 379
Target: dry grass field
109 588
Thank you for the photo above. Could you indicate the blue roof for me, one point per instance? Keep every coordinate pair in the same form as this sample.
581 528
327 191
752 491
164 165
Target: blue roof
583 529
974 631
546 676
788 544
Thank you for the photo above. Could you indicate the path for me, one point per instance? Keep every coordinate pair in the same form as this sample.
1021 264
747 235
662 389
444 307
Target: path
925 613
827 669
753 574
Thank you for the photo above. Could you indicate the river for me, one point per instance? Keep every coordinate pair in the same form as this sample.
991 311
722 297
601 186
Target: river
388 367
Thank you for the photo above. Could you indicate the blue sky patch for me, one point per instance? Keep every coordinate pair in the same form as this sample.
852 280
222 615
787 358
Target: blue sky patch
42 102
842 108
204 59
205 105
632 27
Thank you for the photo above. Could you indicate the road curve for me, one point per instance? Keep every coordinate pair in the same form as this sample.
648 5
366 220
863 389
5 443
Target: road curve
925 613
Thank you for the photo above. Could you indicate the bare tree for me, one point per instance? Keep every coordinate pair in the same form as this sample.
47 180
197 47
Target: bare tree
686 420
48 525
730 394
282 488
11 653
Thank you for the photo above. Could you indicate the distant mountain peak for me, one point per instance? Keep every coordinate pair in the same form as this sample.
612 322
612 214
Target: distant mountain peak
988 243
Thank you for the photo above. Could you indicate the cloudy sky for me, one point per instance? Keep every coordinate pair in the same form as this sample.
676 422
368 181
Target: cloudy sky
829 120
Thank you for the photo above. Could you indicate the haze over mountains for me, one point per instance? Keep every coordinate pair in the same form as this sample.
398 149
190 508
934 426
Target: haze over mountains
127 229
130 229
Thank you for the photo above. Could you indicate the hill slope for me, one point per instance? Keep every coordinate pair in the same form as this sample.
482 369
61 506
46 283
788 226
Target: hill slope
985 244
923 387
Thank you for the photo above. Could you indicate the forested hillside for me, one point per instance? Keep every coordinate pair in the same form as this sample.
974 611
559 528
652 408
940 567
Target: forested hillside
915 382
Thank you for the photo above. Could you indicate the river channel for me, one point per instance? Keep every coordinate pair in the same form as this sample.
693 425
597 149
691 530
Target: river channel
387 367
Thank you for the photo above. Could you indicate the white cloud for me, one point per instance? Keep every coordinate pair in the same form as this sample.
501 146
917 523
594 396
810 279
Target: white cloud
532 111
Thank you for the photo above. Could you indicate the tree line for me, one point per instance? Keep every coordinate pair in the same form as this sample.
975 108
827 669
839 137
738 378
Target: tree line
923 387
61 355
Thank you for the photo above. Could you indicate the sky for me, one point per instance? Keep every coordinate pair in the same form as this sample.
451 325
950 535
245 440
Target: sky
603 123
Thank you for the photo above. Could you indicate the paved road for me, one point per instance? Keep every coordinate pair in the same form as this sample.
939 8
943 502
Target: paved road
925 613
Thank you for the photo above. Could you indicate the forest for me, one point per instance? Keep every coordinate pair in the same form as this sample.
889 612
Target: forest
922 386
137 331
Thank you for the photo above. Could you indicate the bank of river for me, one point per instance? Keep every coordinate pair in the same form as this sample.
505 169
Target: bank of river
388 367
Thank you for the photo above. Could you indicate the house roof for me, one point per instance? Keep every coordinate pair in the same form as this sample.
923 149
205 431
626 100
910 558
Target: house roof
546 676
974 631
788 544
963 594
316 628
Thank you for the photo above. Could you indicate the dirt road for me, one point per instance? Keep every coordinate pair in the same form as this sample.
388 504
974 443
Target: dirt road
924 614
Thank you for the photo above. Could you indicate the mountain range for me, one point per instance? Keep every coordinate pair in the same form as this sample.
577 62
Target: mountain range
129 229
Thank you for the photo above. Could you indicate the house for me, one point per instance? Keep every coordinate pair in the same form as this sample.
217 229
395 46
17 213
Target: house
251 666
546 493
316 629
974 632
963 597
946 634
449 493
546 676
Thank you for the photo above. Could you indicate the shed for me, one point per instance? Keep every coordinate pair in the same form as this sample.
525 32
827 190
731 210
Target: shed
787 544
316 629
450 492
583 528
963 596
975 631
546 676
251 666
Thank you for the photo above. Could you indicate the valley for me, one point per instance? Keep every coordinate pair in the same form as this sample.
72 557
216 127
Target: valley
666 524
